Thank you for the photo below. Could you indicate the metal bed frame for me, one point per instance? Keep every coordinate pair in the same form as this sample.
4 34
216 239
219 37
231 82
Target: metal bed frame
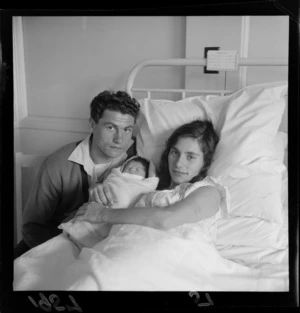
192 62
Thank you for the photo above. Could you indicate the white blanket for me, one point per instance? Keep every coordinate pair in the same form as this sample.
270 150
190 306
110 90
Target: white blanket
141 258
127 189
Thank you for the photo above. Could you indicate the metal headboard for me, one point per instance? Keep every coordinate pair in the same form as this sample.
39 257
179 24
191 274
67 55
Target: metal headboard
192 62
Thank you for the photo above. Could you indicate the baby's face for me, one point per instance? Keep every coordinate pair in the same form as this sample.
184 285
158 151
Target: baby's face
135 168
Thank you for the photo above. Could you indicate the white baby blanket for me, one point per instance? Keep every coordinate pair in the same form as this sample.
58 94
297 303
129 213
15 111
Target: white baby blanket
127 188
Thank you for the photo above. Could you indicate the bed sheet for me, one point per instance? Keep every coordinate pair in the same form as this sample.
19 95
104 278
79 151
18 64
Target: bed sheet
255 257
144 259
34 269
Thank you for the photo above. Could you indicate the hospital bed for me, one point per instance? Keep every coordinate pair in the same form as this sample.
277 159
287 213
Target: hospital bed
251 161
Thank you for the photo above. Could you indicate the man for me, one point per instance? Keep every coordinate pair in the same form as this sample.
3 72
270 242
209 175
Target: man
62 184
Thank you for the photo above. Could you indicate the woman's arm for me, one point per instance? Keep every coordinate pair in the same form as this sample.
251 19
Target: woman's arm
200 204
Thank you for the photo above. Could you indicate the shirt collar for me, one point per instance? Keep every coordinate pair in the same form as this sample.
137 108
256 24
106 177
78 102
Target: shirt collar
81 155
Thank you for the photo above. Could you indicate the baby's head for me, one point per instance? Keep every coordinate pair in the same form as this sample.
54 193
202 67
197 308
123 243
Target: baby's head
137 166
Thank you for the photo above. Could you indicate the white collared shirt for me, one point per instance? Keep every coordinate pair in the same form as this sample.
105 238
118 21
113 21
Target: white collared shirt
81 155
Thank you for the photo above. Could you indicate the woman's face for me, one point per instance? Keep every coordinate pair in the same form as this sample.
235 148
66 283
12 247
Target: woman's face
185 160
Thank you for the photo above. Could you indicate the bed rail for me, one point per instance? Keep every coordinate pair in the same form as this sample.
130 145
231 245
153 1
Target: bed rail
193 62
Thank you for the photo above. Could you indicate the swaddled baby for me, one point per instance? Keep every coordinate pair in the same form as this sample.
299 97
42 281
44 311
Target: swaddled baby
127 183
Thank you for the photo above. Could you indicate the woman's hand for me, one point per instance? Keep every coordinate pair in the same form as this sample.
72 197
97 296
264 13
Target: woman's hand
91 212
101 193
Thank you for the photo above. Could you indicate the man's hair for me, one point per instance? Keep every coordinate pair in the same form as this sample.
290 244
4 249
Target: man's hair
119 101
204 133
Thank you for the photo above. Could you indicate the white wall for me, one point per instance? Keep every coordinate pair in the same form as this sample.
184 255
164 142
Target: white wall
268 38
251 36
71 59
207 31
68 60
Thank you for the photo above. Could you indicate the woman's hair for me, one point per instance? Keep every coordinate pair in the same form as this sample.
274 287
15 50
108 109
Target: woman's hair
204 133
119 101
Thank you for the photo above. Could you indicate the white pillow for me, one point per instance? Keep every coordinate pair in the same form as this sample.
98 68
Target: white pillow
252 256
158 120
247 122
251 232
257 194
246 160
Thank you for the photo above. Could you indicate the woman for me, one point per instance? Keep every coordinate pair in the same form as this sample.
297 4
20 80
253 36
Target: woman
185 161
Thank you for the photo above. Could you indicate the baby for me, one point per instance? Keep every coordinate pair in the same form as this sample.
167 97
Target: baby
130 181
137 166
127 184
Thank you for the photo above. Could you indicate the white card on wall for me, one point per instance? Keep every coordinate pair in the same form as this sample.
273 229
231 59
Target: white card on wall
222 60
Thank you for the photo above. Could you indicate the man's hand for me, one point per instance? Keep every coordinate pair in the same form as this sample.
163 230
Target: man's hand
101 193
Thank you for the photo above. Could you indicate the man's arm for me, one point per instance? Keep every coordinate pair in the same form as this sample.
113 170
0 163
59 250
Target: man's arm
40 208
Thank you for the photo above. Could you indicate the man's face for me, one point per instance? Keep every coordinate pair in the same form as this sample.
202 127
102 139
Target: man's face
111 135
